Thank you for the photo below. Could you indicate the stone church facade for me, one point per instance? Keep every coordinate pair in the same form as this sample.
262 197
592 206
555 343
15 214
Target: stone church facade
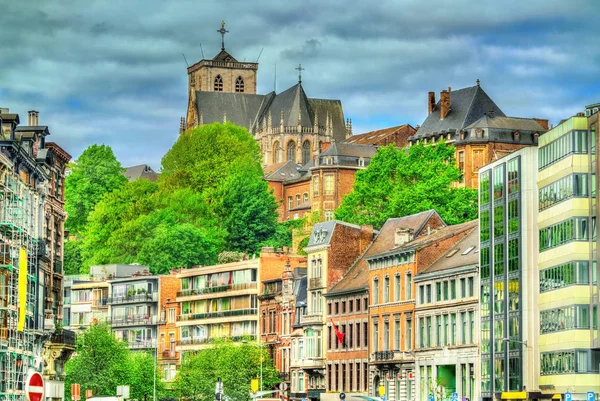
289 126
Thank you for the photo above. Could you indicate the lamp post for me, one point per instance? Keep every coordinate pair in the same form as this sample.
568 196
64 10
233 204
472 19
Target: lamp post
507 374
155 343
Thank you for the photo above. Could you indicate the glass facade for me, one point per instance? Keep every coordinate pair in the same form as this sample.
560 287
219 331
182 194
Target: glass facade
501 270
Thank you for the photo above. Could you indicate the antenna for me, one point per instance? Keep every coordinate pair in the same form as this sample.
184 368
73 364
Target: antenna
185 59
202 51
275 79
261 50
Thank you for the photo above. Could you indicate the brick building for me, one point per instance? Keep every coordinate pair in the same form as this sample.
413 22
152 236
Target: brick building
470 120
392 299
331 250
398 136
168 335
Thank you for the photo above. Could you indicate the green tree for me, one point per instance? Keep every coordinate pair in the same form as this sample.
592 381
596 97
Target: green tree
236 364
73 259
400 182
96 172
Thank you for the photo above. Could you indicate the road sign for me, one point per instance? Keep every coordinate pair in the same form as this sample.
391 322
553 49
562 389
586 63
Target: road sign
342 396
431 397
591 396
75 391
455 396
253 385
411 375
381 390
568 396
34 387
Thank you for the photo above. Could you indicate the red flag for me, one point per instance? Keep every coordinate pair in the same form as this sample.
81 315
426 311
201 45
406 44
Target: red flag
338 334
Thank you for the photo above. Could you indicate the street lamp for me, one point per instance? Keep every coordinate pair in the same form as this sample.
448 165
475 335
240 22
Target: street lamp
508 340
139 340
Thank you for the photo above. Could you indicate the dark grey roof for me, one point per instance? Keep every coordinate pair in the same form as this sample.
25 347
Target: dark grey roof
501 129
510 123
467 105
282 171
248 110
10 117
224 56
350 149
29 128
322 232
142 171
300 287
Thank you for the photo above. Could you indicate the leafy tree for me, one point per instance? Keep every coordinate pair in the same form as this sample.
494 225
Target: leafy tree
401 182
73 259
96 172
236 364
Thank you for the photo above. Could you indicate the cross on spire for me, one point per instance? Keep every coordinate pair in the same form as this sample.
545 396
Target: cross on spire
222 31
300 69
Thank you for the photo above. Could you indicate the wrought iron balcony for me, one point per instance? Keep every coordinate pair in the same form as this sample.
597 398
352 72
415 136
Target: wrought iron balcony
215 315
139 320
67 337
151 297
391 356
221 288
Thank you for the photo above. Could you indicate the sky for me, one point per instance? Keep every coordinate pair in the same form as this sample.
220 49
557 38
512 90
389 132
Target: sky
113 72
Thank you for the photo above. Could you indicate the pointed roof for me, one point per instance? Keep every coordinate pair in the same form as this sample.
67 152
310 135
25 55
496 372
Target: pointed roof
467 105
292 102
282 171
382 137
464 253
224 56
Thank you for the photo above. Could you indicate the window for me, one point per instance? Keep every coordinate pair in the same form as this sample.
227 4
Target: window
453 330
386 289
453 289
291 151
277 152
512 168
218 84
445 290
397 288
463 288
422 294
386 336
472 327
316 185
329 188
329 215
484 188
569 143
239 85
290 202
438 291
408 285
408 338
572 273
171 315
375 337
305 152
375 291
428 292
361 162
464 330
305 197
438 332
470 284
574 229
397 334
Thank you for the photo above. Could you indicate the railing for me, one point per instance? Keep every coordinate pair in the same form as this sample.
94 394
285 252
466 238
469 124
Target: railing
315 282
134 298
213 315
134 320
383 356
312 363
315 317
208 340
67 337
58 266
135 344
100 302
228 64
284 376
220 288
170 354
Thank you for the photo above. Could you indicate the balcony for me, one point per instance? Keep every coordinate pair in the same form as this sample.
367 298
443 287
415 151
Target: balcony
221 288
315 282
134 321
100 303
58 266
311 363
215 315
66 337
391 356
125 299
313 318
208 340
168 354
142 344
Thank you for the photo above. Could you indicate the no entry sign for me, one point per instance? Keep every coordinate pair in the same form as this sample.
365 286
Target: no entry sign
34 387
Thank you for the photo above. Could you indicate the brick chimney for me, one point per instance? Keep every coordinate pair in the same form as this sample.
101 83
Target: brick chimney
542 122
430 102
402 236
444 103
30 117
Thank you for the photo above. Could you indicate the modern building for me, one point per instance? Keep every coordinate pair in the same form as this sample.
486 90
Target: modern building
407 246
447 294
31 251
470 120
332 248
509 342
569 352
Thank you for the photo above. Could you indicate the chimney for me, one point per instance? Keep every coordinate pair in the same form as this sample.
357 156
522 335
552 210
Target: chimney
542 122
430 102
403 235
444 103
30 117
37 117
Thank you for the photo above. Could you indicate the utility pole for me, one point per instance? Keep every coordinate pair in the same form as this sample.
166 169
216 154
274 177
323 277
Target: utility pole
219 390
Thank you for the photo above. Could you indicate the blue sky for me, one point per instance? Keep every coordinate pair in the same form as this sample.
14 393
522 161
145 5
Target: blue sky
113 72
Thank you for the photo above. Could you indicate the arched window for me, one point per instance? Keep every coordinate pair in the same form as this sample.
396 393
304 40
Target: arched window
277 152
239 84
218 84
291 151
305 152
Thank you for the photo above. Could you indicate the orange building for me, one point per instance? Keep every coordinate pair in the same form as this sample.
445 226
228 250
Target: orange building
403 251
168 333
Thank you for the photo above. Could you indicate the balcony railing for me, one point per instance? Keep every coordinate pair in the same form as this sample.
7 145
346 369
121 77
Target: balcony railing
58 266
208 340
140 344
213 315
170 354
66 337
134 298
100 303
315 282
315 317
384 356
134 320
312 363
220 288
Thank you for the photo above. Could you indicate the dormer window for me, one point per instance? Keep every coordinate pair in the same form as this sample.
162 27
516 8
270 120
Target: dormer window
516 136
361 162
218 84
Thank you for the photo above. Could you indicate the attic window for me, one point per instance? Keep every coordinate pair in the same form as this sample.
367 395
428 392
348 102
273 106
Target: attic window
239 85
452 252
469 249
218 84
361 162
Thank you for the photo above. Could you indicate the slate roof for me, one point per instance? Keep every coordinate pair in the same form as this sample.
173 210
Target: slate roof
300 287
224 56
249 110
398 135
456 257
511 123
357 277
327 228
10 117
502 129
142 171
349 149
467 105
282 171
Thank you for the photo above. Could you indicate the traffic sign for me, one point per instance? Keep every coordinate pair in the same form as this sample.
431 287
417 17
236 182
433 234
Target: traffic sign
342 396
455 396
75 391
591 396
411 375
430 397
381 390
34 387
568 396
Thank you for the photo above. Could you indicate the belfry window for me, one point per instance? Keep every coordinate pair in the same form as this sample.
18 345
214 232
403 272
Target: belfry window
239 84
218 84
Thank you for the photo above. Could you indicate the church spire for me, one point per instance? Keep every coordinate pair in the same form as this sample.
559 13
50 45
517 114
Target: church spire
222 31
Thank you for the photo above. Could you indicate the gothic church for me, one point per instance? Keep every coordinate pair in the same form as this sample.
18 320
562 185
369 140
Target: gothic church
289 126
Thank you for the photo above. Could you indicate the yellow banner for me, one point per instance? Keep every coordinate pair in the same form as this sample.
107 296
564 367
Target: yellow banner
22 288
